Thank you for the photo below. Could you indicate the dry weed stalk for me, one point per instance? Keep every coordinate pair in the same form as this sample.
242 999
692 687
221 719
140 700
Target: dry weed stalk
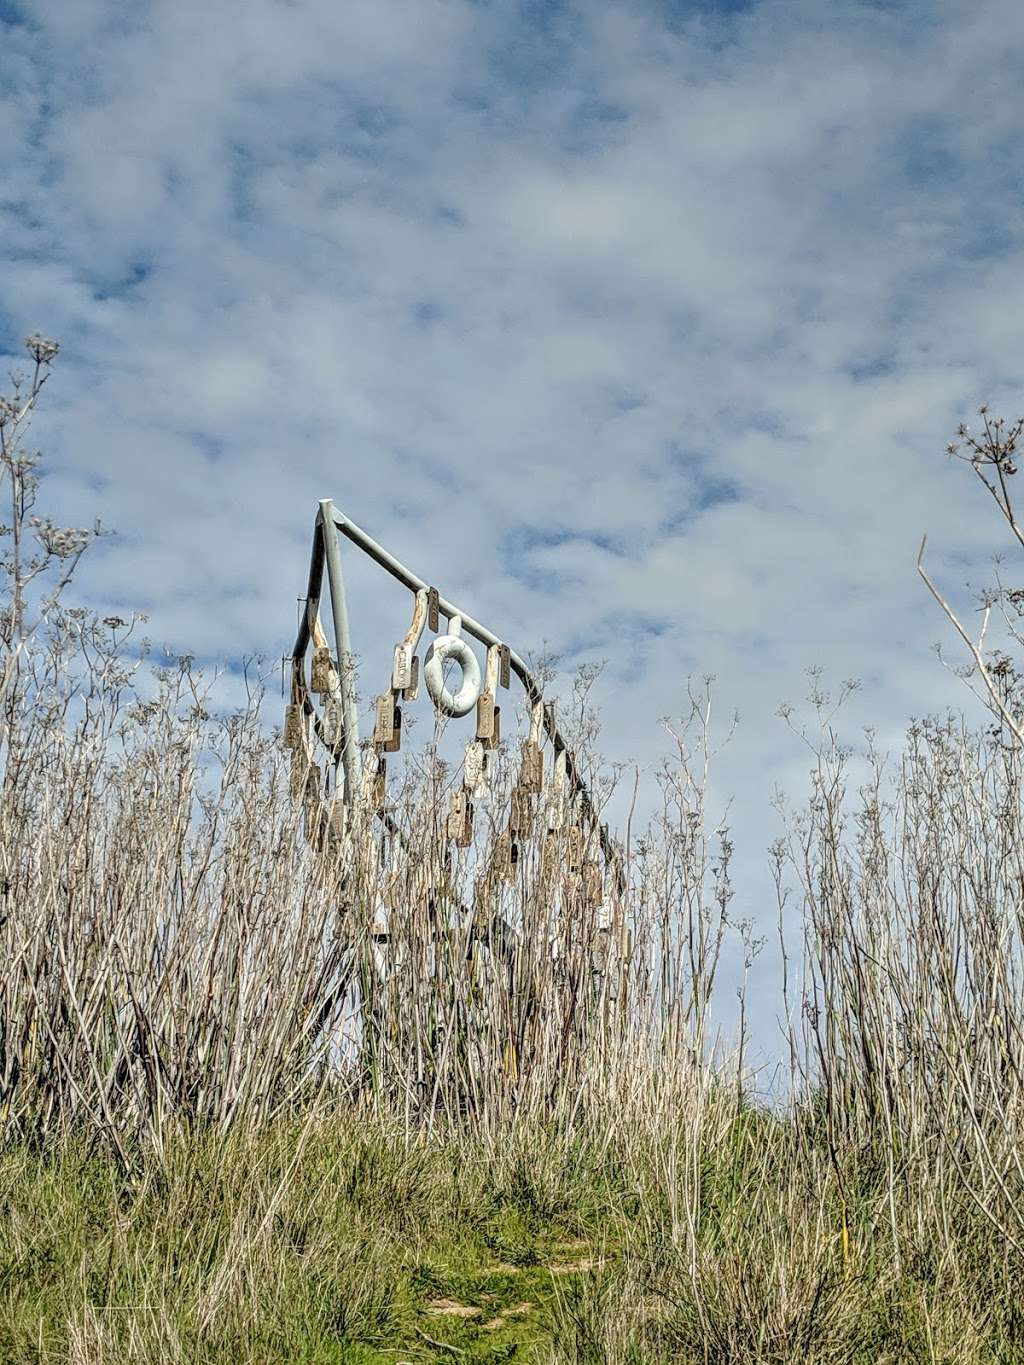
184 945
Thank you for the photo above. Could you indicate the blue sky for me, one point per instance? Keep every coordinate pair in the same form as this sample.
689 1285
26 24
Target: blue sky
639 328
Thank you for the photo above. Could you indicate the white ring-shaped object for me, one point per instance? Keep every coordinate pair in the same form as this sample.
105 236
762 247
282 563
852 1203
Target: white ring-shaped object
442 649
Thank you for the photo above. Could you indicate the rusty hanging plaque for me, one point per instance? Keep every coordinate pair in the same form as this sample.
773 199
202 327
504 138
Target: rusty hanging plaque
412 688
338 822
521 820
401 672
460 820
485 711
300 772
294 726
323 666
593 883
550 850
313 824
504 666
393 745
532 774
334 721
502 862
495 738
481 896
433 610
384 730
474 767
574 848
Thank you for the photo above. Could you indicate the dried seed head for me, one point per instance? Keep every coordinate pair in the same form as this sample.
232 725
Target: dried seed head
41 349
61 542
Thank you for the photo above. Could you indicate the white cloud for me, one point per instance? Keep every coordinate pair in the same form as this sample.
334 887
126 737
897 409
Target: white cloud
714 293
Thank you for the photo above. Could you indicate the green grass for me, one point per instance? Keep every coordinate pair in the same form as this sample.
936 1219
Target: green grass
368 1249
226 1255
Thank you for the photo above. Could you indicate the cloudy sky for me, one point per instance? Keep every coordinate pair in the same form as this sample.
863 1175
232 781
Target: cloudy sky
640 328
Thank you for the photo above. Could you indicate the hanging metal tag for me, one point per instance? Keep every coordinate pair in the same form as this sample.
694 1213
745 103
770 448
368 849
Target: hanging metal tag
532 771
332 722
412 691
299 774
487 713
384 730
550 850
295 730
574 848
532 775
323 677
485 716
557 796
502 864
521 821
338 819
313 823
379 784
474 768
593 883
401 672
460 820
393 745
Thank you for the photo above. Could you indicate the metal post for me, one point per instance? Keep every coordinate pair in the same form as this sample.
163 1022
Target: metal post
339 610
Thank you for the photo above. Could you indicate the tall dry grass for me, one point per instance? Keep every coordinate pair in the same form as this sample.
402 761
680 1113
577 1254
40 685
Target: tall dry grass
179 960
181 948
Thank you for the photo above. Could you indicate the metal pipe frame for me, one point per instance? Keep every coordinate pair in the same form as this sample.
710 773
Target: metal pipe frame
330 521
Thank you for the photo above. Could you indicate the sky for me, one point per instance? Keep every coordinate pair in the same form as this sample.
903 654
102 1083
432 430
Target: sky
639 328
